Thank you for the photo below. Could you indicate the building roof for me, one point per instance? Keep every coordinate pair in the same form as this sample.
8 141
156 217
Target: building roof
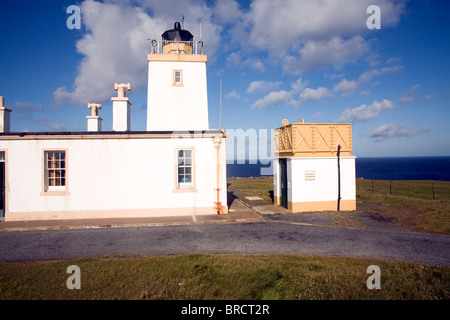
177 34
110 134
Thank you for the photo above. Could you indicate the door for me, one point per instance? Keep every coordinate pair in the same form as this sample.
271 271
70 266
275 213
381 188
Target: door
283 182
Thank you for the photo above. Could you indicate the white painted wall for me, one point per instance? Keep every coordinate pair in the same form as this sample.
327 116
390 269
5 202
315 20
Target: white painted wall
172 108
276 178
133 175
325 185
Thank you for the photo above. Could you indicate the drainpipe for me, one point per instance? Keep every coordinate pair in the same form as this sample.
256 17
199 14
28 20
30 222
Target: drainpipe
339 178
218 204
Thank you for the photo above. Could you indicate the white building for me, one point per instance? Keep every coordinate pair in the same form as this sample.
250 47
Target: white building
176 167
314 169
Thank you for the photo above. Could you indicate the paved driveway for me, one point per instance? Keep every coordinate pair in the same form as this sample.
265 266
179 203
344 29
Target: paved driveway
231 238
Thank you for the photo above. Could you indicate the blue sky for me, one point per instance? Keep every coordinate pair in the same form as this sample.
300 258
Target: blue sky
315 60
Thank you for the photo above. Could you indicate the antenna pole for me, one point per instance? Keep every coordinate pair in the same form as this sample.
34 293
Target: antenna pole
220 118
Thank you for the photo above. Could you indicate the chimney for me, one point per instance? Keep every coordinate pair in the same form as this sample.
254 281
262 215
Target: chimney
121 107
4 117
94 122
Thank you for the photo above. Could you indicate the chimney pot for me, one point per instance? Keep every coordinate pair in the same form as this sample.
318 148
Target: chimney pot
122 89
94 122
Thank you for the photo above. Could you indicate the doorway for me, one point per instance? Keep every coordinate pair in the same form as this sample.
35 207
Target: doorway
283 183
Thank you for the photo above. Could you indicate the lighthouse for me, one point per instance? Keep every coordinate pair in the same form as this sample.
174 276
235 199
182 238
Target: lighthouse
176 167
177 97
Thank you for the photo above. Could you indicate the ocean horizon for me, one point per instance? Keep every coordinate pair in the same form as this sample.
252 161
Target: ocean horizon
378 168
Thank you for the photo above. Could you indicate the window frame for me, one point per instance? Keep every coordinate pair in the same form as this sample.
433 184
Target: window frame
184 186
174 77
48 189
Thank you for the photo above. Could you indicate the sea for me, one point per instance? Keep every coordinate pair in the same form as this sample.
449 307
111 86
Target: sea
388 168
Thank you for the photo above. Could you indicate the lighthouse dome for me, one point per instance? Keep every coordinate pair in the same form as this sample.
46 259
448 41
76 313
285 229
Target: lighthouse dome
177 34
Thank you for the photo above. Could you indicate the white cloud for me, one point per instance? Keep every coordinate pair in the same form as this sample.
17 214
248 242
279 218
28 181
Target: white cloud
298 34
255 64
233 94
393 60
114 45
346 87
364 112
227 11
335 51
409 96
389 131
314 94
234 60
427 97
281 22
367 76
274 98
263 86
322 32
27 106
298 85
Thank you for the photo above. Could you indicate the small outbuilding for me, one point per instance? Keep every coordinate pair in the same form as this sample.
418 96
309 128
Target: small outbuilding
314 169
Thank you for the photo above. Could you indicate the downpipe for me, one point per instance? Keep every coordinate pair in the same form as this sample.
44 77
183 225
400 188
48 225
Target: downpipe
218 204
339 178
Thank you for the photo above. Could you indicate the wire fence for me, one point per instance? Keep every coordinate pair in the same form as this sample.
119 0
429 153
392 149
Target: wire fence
435 190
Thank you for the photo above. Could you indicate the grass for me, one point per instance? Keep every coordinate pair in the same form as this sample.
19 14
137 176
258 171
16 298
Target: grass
245 187
411 203
255 277
220 277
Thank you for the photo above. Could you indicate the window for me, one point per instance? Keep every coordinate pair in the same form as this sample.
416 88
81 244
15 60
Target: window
55 171
177 78
185 168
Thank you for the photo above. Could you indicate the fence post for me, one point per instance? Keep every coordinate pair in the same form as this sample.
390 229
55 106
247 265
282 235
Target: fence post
432 186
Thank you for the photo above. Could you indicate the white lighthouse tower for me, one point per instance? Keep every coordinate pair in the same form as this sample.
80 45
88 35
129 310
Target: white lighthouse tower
177 92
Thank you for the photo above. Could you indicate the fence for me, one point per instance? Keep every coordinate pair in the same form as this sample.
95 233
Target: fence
176 47
436 190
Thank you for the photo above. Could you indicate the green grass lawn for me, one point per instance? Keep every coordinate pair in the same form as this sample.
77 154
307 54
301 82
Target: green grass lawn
244 187
411 202
219 277
255 277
